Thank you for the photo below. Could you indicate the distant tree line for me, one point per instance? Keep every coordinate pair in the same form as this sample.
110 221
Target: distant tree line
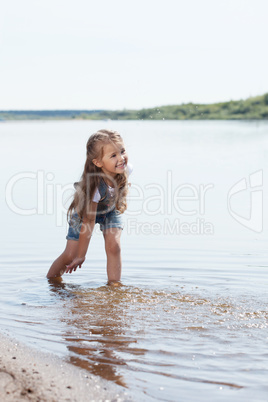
251 108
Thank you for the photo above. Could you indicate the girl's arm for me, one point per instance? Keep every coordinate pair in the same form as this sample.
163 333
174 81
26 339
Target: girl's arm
84 238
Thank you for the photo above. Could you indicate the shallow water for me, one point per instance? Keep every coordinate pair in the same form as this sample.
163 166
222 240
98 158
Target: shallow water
190 321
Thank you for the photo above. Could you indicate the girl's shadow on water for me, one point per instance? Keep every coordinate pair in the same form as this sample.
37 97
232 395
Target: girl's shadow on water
97 328
62 290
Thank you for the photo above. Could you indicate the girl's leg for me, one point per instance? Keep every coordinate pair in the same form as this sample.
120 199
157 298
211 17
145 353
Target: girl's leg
113 252
59 265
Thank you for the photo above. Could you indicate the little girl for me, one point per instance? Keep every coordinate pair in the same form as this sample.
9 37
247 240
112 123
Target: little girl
100 197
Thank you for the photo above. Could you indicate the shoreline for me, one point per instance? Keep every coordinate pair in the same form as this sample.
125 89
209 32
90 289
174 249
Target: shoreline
253 107
27 374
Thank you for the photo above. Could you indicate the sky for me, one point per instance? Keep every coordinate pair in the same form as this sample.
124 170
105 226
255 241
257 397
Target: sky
83 54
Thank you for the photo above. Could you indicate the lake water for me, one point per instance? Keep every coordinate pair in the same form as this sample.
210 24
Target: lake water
190 321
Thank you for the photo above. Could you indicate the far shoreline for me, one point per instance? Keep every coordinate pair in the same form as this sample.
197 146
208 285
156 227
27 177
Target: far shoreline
253 108
55 120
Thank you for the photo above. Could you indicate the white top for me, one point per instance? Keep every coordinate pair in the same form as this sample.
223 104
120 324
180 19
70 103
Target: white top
96 197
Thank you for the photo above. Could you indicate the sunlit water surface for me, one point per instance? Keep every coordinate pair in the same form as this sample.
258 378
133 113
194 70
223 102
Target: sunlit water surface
190 321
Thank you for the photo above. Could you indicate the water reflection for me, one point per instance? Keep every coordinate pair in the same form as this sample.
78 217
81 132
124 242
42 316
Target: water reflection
97 328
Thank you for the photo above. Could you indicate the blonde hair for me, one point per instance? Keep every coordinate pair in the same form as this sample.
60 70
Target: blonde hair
92 175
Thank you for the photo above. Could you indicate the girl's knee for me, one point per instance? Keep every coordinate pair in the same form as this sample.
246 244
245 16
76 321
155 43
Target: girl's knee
113 247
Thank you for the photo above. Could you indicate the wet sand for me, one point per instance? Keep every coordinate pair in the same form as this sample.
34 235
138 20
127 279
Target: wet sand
29 375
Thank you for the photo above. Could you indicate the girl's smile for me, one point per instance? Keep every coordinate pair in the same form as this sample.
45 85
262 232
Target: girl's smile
121 166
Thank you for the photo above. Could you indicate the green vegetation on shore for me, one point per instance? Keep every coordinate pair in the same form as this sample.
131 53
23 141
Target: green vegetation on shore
248 109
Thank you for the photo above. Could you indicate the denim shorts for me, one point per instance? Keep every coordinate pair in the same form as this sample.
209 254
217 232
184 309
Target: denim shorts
112 219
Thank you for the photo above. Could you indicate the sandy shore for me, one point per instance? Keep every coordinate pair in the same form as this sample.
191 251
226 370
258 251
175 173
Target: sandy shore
29 375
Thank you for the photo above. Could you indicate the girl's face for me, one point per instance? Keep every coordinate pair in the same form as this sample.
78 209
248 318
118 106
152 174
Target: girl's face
114 160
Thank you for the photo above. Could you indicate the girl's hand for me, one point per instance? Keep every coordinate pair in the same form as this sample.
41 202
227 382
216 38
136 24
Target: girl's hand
77 262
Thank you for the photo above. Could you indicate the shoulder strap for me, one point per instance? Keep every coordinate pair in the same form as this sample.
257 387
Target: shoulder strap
102 188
